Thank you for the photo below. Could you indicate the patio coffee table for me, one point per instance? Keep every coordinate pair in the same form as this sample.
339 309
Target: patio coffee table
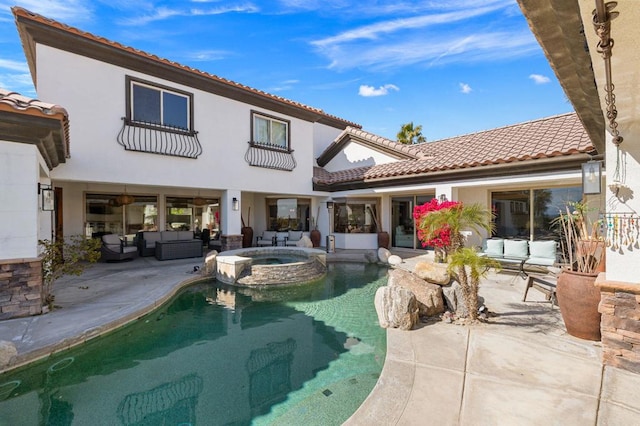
180 249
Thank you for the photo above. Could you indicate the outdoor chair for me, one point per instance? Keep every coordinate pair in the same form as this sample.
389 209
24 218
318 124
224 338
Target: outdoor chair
114 249
293 237
268 238
281 238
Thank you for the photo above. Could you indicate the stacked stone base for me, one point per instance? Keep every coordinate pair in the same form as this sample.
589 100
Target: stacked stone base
620 326
20 288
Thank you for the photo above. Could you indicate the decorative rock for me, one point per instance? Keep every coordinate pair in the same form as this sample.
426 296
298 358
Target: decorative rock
209 267
455 301
435 273
304 242
396 307
7 352
394 260
428 296
383 255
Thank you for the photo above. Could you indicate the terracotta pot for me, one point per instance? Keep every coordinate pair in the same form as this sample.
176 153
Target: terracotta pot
578 299
247 236
383 239
315 236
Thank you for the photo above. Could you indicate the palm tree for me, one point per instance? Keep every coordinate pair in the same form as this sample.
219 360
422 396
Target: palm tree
455 219
469 267
409 134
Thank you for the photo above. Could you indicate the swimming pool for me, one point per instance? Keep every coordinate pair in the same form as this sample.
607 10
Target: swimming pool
215 354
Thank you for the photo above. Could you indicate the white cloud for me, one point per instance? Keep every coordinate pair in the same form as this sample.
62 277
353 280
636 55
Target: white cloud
68 11
461 35
20 83
368 91
465 88
162 13
12 65
539 79
208 55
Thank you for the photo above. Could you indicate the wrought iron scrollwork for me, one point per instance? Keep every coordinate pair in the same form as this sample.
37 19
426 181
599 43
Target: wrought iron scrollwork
146 137
270 157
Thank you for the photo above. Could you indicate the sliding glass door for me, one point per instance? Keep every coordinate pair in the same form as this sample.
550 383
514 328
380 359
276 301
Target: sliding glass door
402 224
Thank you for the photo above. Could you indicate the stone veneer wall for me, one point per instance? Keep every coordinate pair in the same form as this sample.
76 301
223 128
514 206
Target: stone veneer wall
230 242
620 325
20 288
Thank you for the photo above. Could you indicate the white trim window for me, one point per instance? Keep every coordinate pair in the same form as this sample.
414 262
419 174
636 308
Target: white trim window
270 131
155 105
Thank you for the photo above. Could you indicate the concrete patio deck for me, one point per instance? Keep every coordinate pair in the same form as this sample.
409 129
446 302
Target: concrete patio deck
520 368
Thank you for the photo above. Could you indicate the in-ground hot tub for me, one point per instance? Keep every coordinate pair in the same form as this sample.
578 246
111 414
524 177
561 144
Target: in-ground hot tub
265 266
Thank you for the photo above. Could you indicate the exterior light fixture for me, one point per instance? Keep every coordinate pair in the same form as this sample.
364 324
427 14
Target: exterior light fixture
329 205
235 204
592 177
442 198
48 200
124 198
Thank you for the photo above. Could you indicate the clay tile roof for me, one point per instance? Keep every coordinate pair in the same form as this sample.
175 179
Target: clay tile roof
556 136
13 102
392 148
23 14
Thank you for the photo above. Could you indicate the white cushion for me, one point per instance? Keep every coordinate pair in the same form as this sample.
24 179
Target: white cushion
494 247
516 248
546 249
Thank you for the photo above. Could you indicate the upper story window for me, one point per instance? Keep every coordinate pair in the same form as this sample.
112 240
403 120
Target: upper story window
269 131
156 105
158 120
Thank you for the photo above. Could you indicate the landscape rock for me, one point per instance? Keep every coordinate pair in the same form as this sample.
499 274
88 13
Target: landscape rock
454 299
428 296
435 273
383 255
304 242
396 308
209 267
7 352
394 260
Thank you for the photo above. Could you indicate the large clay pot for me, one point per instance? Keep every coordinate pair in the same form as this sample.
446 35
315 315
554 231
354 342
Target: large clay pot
247 236
383 239
315 237
578 299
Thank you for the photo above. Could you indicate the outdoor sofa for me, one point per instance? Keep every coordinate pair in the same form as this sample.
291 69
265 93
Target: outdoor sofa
166 245
522 253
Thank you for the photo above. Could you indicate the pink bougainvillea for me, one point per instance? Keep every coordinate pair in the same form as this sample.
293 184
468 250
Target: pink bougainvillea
442 237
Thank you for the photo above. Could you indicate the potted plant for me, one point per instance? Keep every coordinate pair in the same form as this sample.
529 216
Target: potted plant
584 250
439 225
315 235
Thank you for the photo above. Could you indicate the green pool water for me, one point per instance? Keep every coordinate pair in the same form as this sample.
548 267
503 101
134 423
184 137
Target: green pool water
218 355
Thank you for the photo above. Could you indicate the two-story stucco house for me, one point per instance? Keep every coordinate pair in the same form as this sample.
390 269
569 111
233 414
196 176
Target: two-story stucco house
143 143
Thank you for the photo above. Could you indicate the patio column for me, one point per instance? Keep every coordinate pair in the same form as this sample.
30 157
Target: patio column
231 237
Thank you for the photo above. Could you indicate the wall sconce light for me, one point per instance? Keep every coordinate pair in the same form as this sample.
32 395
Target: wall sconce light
329 205
592 177
235 204
442 198
48 200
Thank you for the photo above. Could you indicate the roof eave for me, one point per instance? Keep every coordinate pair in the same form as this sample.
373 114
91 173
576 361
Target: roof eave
557 25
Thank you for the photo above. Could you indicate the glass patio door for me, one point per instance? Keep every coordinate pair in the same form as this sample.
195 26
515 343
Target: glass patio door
403 230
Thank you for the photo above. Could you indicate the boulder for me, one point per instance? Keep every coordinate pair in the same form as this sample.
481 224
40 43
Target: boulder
396 308
455 300
8 351
394 260
428 296
383 255
435 273
304 242
209 267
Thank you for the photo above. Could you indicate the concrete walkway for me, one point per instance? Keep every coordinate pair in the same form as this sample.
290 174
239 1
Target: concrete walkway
519 369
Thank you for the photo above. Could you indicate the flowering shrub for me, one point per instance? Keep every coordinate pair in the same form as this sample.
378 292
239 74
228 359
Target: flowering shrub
441 238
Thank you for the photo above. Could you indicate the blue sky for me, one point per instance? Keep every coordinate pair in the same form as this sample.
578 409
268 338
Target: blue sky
454 67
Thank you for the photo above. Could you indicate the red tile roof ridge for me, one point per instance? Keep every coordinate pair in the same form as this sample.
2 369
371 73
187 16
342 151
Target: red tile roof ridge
22 103
20 11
